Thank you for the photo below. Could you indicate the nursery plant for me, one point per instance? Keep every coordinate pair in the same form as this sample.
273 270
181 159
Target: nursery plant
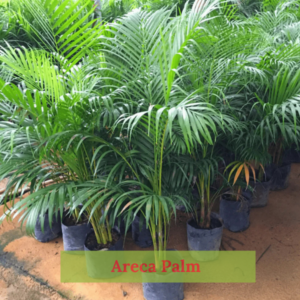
122 110
170 122
70 166
278 112
44 106
241 171
276 104
235 204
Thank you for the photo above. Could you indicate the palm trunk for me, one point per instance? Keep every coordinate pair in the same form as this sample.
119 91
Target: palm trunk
202 203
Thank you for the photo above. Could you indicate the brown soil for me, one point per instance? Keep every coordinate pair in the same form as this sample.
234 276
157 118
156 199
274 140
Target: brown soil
70 220
31 270
23 287
92 244
214 223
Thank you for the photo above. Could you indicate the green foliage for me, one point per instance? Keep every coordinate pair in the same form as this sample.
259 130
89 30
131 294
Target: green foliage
128 111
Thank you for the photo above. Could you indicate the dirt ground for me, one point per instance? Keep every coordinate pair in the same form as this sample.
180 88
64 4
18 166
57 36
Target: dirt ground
30 270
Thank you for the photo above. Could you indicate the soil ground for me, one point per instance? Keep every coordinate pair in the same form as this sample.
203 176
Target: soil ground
30 270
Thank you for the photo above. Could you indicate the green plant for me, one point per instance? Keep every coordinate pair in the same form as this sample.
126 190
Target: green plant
243 171
166 120
279 111
66 28
123 116
53 98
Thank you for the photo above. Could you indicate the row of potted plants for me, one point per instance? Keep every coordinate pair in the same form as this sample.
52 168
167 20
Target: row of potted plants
234 208
135 118
234 215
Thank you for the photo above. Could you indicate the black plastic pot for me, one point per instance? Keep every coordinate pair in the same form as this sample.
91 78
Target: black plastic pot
235 214
74 236
163 291
260 193
248 195
140 234
291 156
118 246
94 266
49 233
280 177
205 239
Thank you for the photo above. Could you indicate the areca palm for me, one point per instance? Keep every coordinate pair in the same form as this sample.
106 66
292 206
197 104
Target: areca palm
158 107
64 27
277 104
45 108
122 116
278 110
166 116
169 118
274 106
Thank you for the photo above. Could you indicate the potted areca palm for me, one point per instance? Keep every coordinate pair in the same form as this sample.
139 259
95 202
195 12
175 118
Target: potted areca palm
249 148
143 102
43 108
166 124
235 204
278 123
23 164
67 166
204 230
276 103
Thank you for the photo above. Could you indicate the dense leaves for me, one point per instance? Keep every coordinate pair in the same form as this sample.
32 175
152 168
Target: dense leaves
132 108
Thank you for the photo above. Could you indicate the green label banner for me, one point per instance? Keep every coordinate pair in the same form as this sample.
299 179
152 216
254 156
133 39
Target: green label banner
150 266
